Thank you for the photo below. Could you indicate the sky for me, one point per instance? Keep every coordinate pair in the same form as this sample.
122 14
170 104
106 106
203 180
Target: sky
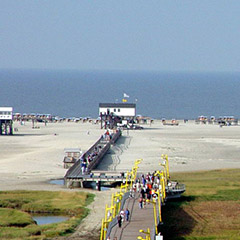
171 35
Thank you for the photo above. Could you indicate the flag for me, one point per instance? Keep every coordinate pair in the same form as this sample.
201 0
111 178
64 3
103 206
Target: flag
124 100
125 95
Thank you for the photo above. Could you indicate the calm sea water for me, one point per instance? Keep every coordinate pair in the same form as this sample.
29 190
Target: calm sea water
158 95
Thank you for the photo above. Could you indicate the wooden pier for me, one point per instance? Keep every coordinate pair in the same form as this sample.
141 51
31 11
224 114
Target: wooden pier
140 219
75 177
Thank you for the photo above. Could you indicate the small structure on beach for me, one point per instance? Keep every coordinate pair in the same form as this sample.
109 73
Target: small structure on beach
6 120
71 155
113 113
222 121
173 122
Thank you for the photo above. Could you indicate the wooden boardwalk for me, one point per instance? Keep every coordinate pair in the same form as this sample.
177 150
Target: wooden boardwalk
75 176
139 219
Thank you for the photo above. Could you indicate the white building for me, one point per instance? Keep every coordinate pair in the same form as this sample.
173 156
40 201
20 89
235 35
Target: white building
118 109
6 113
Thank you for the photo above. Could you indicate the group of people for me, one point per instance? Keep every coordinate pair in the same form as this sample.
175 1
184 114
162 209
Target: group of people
148 186
123 216
88 158
107 135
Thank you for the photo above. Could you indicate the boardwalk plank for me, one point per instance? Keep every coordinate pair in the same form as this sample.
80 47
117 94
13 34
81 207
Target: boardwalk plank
139 219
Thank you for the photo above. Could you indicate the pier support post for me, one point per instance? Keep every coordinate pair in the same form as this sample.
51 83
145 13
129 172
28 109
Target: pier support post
98 185
81 184
10 129
6 127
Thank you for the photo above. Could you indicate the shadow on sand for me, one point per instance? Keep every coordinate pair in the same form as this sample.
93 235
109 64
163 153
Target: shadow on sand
28 134
112 158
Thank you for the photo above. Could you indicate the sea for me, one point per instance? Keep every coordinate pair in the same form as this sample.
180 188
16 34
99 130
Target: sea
73 93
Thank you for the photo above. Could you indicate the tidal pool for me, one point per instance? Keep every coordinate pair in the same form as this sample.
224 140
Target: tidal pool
40 220
57 181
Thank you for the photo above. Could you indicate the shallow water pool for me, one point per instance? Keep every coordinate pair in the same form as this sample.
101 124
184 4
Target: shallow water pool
40 220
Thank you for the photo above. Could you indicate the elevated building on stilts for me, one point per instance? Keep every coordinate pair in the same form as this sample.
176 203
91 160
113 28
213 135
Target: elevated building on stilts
6 120
112 114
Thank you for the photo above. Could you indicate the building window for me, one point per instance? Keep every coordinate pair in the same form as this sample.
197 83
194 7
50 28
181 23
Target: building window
114 110
119 110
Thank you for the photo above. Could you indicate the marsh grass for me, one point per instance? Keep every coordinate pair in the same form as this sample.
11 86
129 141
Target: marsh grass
209 209
16 207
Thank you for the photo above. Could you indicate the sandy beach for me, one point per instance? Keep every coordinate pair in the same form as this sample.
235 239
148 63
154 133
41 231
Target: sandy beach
32 157
190 147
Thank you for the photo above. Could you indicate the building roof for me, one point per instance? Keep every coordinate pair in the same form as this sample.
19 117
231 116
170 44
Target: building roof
117 105
72 150
9 109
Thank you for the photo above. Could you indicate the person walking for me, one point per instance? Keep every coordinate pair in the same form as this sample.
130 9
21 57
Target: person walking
140 202
122 214
127 214
119 218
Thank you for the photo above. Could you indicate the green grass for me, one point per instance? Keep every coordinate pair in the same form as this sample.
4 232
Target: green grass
209 209
13 217
16 208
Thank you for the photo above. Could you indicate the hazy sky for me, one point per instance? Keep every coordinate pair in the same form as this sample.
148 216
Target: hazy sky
185 35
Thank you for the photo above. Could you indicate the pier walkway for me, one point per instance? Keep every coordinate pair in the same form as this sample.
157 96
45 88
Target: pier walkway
75 175
139 219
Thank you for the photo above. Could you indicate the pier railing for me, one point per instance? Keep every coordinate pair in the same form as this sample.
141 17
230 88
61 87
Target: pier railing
103 145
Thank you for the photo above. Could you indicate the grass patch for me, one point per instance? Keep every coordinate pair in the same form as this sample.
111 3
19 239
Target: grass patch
209 209
16 208
13 217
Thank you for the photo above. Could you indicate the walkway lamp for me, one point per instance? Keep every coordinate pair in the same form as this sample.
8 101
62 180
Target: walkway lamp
165 157
164 172
127 176
138 161
134 174
155 215
159 206
162 181
148 236
124 186
118 198
162 185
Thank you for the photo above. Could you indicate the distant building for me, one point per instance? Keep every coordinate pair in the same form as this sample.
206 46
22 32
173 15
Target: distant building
118 109
6 113
6 120
112 114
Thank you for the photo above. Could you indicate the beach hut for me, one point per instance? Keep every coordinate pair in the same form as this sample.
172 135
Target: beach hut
71 155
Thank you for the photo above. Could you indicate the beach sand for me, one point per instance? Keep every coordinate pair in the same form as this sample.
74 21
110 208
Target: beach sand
190 147
32 157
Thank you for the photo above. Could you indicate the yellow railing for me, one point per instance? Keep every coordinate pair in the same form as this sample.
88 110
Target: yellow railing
162 184
111 212
155 214
165 164
164 176
148 236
